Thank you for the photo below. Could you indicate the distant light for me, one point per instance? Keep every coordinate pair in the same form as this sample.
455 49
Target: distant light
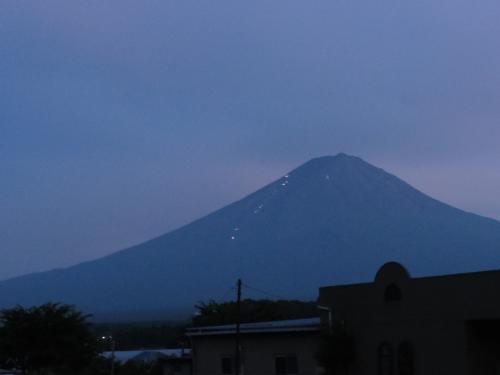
256 211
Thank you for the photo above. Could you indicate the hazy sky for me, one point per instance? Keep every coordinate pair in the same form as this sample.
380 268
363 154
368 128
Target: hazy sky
120 119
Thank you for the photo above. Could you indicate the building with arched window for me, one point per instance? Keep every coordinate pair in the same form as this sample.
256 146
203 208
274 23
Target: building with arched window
420 326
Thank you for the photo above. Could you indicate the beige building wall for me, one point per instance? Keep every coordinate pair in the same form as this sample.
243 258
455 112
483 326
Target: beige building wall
258 352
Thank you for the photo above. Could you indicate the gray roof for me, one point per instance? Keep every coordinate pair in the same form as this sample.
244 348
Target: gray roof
294 325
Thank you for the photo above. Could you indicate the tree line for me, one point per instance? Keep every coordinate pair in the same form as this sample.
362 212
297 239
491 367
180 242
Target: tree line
57 339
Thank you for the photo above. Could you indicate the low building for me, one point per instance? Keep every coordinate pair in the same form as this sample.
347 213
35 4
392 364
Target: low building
420 326
266 348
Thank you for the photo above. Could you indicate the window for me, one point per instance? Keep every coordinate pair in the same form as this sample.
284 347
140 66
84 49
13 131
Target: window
392 293
405 358
385 359
227 365
286 364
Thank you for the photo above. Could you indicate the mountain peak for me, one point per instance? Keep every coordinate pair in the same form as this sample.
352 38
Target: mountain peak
335 219
340 165
340 158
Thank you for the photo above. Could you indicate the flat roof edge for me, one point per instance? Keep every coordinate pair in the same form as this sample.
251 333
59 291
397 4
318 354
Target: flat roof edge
247 331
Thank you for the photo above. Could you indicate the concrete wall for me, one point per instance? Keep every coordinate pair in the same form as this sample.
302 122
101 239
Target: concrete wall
258 352
432 316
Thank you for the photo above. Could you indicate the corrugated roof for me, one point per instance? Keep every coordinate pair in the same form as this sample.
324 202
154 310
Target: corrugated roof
293 325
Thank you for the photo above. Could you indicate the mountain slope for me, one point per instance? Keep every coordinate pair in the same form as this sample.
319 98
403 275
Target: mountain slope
335 219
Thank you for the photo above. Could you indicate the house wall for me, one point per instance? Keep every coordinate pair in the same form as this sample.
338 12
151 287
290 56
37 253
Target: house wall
258 352
483 346
432 316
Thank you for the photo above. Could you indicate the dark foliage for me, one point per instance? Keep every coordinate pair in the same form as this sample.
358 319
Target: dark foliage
336 352
212 313
102 366
139 368
99 366
51 338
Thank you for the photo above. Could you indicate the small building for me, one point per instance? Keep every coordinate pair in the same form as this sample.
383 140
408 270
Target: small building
420 326
266 348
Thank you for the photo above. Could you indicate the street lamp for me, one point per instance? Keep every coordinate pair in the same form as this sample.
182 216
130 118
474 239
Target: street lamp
113 347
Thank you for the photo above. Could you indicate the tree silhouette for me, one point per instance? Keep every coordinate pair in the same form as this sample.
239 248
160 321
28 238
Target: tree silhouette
50 338
212 312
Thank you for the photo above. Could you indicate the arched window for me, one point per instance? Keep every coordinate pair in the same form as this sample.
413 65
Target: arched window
385 359
392 293
405 358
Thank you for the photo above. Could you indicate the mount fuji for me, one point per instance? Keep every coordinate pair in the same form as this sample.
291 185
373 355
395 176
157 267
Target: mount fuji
335 219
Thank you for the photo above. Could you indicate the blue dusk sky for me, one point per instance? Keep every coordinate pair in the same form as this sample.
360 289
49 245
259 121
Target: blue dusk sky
121 120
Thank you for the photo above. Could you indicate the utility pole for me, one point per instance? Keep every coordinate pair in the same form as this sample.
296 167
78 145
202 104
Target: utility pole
238 318
113 348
